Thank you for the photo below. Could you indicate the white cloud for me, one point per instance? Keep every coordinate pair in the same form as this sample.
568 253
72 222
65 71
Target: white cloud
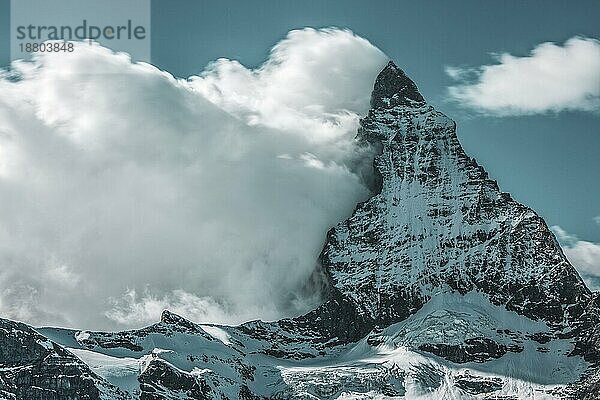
552 78
125 191
134 310
584 255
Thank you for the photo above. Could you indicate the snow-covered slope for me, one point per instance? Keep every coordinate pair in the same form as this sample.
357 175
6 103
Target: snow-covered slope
439 287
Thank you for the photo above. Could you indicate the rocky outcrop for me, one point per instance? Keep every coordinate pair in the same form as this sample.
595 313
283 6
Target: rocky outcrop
159 381
472 350
35 368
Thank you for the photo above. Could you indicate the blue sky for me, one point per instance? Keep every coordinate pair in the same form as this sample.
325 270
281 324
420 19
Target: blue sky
550 162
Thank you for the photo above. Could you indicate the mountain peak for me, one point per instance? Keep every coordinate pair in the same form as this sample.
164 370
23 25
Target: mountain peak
171 318
394 88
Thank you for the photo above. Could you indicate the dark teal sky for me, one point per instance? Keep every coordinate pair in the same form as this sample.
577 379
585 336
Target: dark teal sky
549 162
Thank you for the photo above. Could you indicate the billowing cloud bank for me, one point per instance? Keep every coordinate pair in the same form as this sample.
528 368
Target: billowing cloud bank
584 255
125 191
552 78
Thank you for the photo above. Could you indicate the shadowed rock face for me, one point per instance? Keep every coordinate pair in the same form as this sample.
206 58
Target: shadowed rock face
473 349
437 224
393 88
34 368
160 380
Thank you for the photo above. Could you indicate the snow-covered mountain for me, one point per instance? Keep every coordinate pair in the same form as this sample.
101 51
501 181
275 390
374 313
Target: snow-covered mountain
439 287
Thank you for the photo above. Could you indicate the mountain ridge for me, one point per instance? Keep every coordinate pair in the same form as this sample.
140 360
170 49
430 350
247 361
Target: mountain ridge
439 285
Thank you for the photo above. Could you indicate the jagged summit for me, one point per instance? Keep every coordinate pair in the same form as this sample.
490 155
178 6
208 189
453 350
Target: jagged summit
393 87
169 317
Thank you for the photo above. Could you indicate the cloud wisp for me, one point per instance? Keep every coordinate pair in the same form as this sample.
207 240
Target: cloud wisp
552 78
125 191
584 255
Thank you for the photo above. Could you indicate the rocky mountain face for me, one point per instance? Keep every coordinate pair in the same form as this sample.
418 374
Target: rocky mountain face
440 223
33 367
440 286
